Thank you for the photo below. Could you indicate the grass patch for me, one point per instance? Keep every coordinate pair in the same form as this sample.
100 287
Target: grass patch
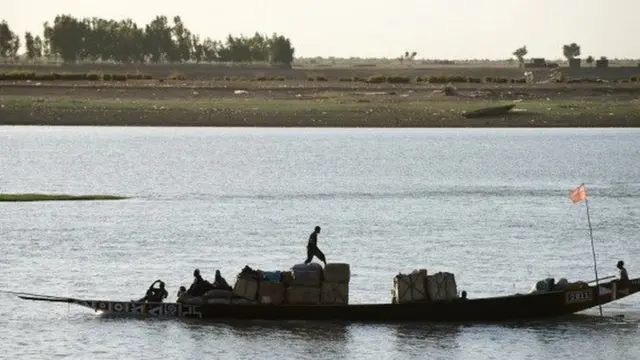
55 197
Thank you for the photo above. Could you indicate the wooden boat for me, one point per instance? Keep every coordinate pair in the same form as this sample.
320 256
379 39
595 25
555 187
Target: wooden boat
503 308
489 112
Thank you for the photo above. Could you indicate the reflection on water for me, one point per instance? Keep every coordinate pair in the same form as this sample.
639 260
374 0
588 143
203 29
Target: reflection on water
578 322
308 338
326 339
420 331
312 331
436 340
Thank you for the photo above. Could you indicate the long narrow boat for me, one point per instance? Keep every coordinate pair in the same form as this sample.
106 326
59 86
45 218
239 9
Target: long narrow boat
503 308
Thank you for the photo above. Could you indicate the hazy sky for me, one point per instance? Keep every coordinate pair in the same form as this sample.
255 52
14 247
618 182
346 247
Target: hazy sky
445 29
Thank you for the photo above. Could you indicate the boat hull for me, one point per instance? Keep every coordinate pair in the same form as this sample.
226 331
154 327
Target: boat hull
505 308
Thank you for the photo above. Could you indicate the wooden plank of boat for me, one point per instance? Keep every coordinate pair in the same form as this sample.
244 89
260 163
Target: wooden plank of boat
502 308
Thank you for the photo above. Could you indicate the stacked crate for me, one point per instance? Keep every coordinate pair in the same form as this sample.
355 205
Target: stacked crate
305 285
246 287
418 286
408 288
441 286
335 287
271 292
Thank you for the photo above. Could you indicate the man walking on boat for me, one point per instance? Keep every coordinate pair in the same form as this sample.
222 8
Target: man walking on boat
312 247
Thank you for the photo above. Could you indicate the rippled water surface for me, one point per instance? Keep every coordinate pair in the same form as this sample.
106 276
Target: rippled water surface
489 205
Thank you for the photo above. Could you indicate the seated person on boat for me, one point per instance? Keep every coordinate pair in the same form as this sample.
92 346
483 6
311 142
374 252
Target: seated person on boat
220 283
181 292
199 286
155 294
624 276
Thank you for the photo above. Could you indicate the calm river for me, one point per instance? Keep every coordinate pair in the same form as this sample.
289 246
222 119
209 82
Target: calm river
490 206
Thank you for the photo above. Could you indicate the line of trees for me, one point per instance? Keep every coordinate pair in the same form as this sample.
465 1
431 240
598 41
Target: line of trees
73 39
570 51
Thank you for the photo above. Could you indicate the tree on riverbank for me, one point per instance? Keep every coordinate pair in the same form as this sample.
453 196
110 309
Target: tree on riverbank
571 51
590 60
33 45
520 53
74 39
9 41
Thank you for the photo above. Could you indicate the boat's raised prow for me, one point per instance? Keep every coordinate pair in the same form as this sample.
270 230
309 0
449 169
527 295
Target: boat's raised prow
124 307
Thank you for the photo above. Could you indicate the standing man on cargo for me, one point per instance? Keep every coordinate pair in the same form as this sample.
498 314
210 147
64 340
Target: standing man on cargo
312 247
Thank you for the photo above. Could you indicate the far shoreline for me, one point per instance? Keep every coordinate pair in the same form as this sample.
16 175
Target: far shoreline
295 104
42 126
265 127
505 122
396 116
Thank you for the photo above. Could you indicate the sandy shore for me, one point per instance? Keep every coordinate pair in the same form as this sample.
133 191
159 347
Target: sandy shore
303 103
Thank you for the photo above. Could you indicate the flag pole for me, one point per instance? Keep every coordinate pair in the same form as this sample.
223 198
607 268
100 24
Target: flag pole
593 251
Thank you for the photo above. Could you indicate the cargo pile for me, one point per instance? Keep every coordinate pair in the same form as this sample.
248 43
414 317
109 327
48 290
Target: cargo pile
550 284
419 287
304 284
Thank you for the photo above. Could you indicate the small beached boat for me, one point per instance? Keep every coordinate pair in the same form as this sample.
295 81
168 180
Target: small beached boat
490 111
502 308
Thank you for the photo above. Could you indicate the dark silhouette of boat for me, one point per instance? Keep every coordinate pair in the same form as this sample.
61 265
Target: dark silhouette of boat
502 308
489 112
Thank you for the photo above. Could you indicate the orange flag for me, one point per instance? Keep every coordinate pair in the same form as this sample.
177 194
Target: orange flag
578 194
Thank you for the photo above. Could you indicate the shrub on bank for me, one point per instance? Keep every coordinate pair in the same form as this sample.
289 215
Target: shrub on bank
398 79
18 75
438 79
67 76
454 79
317 78
458 79
26 75
245 78
139 76
233 78
269 78
378 79
176 76
71 76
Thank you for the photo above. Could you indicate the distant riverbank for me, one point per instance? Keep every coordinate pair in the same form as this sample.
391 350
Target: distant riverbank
306 104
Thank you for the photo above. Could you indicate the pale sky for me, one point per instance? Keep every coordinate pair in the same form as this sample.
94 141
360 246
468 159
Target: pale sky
444 29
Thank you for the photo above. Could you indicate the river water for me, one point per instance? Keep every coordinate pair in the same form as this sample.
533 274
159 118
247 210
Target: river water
490 205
